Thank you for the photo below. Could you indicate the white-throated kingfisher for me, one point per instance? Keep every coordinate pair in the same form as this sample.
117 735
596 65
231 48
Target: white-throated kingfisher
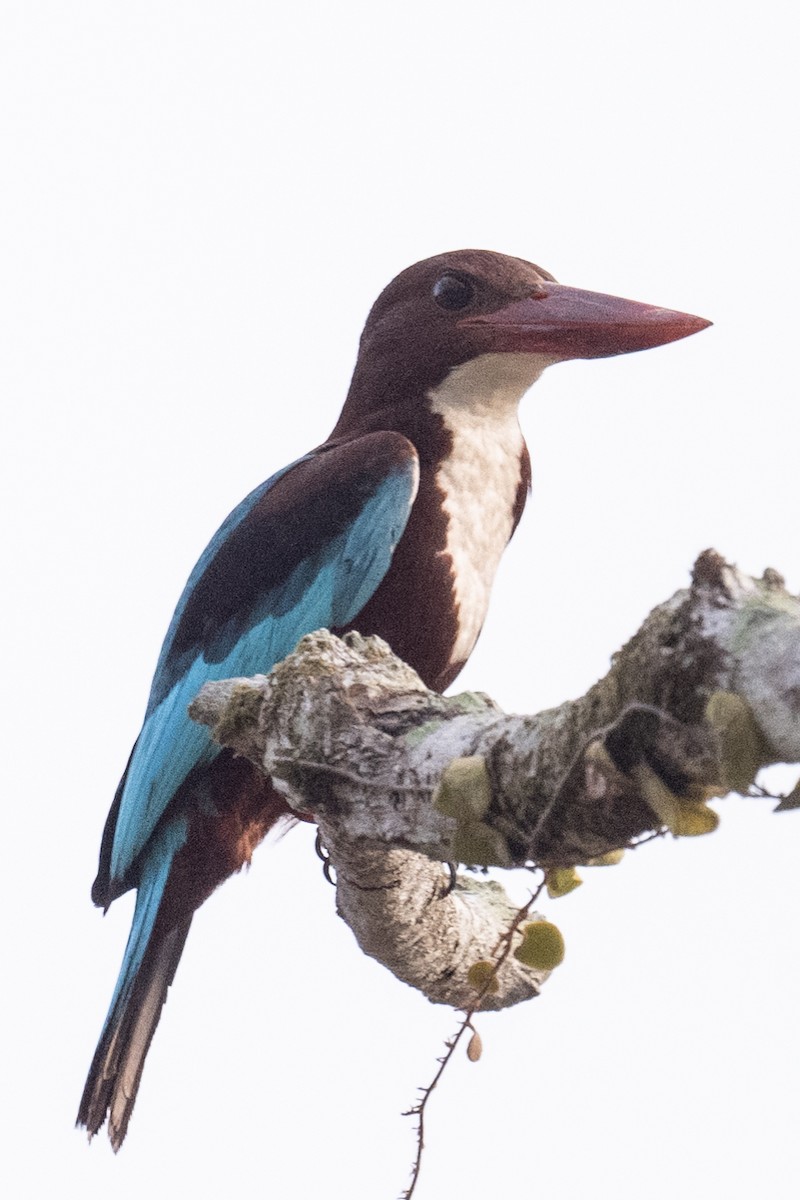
393 526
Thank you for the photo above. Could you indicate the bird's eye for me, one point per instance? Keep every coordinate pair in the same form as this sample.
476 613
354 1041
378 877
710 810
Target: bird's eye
453 291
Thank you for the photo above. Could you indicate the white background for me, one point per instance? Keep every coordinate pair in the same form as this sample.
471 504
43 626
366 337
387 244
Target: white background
199 203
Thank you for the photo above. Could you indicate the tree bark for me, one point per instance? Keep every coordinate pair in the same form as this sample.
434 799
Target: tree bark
401 780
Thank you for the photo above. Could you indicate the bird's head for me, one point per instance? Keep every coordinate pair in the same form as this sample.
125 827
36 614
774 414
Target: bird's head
468 305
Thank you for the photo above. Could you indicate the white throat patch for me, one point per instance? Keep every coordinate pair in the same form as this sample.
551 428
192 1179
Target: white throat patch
478 402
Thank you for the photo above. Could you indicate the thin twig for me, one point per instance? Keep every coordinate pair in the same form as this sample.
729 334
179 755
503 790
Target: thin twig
501 948
321 768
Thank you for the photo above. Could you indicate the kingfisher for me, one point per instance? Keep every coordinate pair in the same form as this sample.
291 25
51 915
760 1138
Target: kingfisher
393 526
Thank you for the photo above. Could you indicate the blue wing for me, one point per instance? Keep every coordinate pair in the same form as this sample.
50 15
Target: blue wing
304 551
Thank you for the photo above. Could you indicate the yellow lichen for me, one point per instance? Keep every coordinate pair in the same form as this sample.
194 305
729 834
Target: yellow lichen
464 791
683 817
743 747
480 846
561 881
481 976
542 946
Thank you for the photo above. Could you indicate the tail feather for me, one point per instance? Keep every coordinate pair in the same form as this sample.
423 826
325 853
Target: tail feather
218 818
149 1011
117 1066
148 968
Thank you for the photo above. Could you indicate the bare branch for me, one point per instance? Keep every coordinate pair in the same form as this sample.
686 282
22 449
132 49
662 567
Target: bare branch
401 779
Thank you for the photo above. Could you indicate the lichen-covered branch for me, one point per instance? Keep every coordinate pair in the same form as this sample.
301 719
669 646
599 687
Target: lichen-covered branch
401 779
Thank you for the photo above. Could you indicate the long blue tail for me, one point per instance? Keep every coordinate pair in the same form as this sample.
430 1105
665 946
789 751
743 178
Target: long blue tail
148 968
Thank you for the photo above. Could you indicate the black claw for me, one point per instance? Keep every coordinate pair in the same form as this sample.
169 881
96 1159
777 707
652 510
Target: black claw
325 858
452 880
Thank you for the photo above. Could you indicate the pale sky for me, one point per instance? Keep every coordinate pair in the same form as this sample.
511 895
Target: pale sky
200 201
